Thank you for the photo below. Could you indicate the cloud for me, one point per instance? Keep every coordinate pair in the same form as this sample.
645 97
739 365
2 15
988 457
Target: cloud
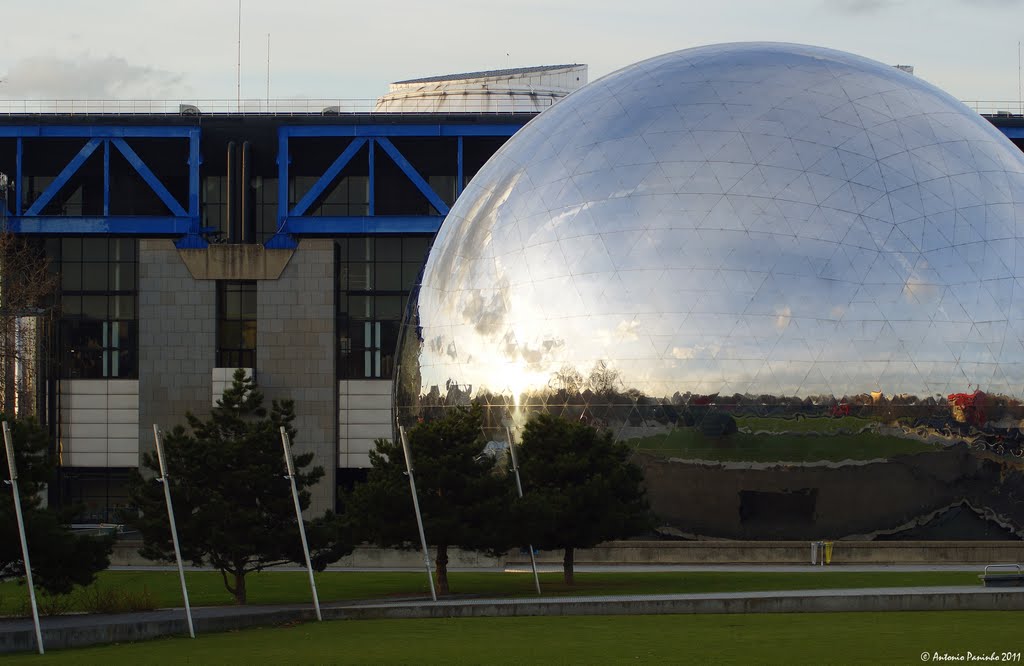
861 6
995 4
782 317
112 77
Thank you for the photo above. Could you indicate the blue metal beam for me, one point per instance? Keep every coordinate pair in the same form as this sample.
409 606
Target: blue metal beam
368 224
193 239
147 175
325 180
95 131
1012 132
126 225
414 175
458 169
282 239
72 167
195 159
106 178
17 174
371 193
453 129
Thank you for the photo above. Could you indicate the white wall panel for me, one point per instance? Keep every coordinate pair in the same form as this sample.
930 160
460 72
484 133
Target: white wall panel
364 414
100 422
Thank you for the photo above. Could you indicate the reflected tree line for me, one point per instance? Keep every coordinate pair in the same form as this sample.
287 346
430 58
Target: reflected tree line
983 420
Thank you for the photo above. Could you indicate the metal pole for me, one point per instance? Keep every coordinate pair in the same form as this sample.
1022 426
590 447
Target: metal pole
416 506
286 443
163 479
519 487
12 468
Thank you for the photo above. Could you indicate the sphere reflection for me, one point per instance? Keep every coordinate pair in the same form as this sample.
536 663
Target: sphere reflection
745 255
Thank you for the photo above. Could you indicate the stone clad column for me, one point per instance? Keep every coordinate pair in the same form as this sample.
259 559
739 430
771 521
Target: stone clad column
295 355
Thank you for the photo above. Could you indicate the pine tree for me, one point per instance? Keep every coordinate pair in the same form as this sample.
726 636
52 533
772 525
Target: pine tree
579 488
60 559
232 502
463 494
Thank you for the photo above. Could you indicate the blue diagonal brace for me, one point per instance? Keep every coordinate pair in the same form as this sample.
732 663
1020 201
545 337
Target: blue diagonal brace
148 176
414 175
61 180
328 177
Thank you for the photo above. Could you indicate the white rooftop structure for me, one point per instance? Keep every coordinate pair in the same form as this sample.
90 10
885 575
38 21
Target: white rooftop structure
523 89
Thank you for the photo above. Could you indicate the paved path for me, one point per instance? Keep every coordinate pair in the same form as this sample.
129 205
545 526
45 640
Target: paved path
79 630
622 568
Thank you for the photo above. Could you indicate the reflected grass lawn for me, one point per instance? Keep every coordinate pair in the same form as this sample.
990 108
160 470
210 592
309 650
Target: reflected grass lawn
690 443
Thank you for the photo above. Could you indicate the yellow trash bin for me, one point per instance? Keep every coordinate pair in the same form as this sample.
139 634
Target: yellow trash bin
828 552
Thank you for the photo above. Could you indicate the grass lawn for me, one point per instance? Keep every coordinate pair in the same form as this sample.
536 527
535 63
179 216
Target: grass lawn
690 443
821 638
206 588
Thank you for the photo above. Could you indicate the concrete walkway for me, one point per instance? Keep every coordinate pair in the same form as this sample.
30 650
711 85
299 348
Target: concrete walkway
80 630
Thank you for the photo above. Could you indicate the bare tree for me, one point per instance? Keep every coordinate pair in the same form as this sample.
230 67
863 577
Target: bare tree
26 285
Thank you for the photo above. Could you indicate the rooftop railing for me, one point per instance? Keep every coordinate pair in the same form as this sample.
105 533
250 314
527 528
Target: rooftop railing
997 108
454 102
451 103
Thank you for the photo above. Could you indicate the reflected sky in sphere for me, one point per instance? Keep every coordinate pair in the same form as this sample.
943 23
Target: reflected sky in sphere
754 219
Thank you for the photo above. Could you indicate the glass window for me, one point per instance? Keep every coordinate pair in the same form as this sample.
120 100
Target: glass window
236 324
98 296
374 276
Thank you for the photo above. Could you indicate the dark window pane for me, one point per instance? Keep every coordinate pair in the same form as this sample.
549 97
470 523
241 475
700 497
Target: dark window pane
94 278
71 276
360 307
122 277
232 303
415 248
360 277
388 307
229 334
71 249
360 249
94 249
122 307
94 307
389 249
123 249
248 339
409 274
248 301
71 306
389 277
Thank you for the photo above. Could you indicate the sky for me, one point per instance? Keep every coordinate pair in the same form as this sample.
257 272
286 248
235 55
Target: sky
345 49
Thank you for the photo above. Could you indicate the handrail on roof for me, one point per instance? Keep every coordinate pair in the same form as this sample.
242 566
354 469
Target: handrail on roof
483 103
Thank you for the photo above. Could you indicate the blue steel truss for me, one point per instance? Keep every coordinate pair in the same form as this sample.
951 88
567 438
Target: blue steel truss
182 222
297 221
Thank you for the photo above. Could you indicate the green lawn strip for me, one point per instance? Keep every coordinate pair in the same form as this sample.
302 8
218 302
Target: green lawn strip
814 424
818 638
690 443
282 587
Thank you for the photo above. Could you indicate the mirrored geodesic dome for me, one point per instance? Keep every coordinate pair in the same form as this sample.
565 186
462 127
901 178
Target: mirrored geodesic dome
790 276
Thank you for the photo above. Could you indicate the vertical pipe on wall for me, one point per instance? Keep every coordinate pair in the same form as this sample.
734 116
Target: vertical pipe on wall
371 187
245 195
231 224
106 177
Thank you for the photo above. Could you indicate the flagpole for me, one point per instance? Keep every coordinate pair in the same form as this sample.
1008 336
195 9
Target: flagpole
13 469
416 507
166 482
286 443
519 487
